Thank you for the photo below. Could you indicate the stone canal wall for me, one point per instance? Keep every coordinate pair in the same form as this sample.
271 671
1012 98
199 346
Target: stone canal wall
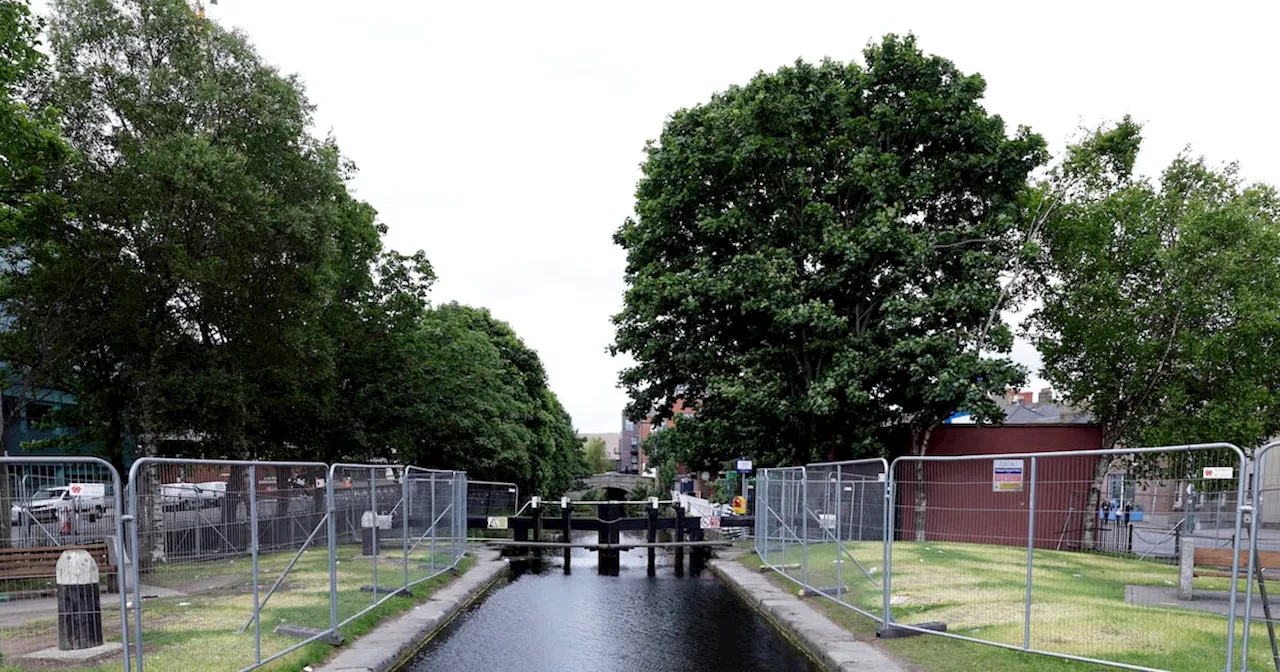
833 647
391 644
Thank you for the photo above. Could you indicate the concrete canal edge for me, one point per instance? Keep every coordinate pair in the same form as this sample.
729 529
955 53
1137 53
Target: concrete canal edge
390 645
833 647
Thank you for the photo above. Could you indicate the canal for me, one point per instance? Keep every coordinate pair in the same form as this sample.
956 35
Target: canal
544 620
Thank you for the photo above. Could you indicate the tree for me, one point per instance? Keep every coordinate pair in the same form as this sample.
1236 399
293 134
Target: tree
486 408
210 236
30 145
1160 302
818 254
596 456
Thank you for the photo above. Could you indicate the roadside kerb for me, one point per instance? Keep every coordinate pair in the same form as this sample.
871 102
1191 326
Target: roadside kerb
389 646
833 647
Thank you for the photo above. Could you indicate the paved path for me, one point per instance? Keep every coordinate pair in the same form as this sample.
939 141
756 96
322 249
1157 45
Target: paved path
832 646
388 645
1213 601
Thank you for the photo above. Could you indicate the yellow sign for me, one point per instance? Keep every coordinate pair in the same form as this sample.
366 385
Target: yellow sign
739 505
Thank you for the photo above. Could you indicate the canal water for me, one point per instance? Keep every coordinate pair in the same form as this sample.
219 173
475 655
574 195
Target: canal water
543 620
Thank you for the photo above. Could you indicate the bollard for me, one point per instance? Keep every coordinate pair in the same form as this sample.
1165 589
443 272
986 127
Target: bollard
79 607
566 512
652 535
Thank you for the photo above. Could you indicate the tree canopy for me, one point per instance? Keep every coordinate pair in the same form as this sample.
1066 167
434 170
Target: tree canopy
1162 297
184 257
818 254
597 456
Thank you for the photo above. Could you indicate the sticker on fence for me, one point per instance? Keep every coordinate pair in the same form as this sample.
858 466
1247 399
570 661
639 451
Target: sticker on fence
1219 472
497 522
1006 476
710 522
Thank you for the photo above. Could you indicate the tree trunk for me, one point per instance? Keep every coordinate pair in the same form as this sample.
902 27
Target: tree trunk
6 531
1090 513
6 497
920 444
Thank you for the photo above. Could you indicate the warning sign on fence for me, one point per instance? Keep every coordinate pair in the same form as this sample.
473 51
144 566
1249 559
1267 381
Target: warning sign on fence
1219 472
710 522
497 522
1006 476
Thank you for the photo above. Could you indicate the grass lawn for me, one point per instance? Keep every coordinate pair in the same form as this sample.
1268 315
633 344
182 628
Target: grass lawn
978 590
198 631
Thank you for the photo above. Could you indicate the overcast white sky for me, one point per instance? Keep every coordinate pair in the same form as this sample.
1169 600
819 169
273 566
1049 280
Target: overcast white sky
505 138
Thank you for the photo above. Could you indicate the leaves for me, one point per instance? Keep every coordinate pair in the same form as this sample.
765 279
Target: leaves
1160 306
198 276
818 254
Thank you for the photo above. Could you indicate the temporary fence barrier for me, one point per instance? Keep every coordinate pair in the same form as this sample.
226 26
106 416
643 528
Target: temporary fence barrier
843 528
1262 564
492 498
63 540
233 549
1071 554
258 558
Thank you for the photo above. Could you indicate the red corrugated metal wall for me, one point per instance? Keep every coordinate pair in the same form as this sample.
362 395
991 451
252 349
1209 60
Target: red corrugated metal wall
962 506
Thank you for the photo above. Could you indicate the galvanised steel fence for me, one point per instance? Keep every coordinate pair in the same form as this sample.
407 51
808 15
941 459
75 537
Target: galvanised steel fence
1072 554
58 506
492 498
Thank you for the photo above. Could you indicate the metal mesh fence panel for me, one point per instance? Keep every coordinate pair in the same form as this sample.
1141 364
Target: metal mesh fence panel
783 529
437 521
235 551
368 550
60 561
1071 554
491 498
844 532
1258 585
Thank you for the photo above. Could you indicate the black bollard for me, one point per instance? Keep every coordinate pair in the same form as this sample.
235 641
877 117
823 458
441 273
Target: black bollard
79 607
565 510
536 512
652 535
679 538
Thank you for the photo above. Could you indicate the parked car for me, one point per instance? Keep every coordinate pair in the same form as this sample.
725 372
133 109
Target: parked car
212 493
43 506
180 496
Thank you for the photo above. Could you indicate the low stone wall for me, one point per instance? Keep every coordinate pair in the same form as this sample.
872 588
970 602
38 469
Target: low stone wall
825 642
388 646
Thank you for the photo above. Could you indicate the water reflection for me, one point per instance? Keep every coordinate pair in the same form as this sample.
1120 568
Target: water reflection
545 620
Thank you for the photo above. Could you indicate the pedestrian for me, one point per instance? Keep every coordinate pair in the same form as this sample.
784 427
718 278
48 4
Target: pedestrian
1128 509
64 520
1106 511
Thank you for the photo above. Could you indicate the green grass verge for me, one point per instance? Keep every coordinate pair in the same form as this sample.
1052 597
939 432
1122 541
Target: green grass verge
1078 607
200 630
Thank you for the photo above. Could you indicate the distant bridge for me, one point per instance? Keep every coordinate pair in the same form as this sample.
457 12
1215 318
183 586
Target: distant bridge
613 481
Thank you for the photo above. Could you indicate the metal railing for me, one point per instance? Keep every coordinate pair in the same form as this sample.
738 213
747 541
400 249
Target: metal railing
1071 554
60 505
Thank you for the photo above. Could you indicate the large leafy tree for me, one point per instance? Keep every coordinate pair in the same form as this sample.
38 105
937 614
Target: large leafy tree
486 407
1162 301
818 254
210 235
30 147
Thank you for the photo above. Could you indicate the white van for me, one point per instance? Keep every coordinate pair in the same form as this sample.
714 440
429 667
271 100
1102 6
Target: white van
43 506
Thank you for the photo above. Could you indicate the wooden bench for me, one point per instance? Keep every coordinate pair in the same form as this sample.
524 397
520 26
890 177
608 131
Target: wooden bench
1220 560
40 562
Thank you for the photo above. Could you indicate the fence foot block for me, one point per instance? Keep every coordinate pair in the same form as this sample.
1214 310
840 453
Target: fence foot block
764 569
824 591
331 637
897 632
387 590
